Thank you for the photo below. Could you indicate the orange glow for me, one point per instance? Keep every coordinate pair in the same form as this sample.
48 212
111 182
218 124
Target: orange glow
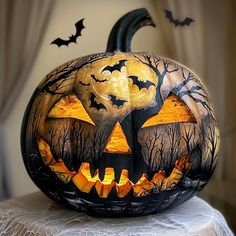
59 167
45 151
117 142
158 179
173 110
70 107
84 181
62 171
104 187
118 83
142 187
182 167
124 185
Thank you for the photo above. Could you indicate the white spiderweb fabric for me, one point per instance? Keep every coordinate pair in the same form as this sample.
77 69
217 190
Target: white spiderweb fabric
36 215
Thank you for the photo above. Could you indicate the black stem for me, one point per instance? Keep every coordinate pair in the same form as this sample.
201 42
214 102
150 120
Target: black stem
125 28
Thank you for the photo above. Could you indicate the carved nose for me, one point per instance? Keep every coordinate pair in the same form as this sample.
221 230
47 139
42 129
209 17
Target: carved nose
117 142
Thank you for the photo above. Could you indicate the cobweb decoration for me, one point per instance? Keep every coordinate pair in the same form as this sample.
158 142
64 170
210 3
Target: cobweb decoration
36 215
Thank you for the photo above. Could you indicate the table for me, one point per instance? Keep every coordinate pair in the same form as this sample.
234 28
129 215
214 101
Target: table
35 214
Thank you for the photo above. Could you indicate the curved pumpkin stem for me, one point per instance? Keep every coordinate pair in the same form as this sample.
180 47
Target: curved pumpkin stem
125 28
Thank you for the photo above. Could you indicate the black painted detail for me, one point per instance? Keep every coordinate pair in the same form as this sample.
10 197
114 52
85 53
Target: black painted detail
125 28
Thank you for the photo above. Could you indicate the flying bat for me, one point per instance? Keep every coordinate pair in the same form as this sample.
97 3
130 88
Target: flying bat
97 80
176 22
141 84
94 104
84 84
72 39
117 66
116 101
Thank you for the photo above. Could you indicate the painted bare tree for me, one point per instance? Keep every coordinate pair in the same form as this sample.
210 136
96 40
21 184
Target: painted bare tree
160 146
35 119
173 135
190 87
98 141
211 146
75 141
192 144
150 148
161 67
189 136
80 142
62 78
58 137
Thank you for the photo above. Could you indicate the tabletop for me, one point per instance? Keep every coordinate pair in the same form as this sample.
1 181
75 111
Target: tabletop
35 214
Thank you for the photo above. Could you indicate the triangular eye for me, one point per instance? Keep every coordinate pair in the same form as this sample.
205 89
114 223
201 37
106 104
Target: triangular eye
174 110
70 107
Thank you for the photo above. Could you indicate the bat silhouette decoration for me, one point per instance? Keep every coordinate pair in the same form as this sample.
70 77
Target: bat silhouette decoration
72 39
141 84
116 101
117 66
94 104
97 80
84 84
176 22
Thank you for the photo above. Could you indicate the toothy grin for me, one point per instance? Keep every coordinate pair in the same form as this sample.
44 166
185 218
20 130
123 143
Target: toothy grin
85 181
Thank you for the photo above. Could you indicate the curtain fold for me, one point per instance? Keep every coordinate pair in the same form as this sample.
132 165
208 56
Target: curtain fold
22 27
23 24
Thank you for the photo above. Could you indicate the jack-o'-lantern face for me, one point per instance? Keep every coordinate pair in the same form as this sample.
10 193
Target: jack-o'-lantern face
121 126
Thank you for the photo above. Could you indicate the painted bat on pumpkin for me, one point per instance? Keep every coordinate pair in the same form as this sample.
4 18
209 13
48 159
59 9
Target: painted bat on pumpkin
115 67
116 101
95 104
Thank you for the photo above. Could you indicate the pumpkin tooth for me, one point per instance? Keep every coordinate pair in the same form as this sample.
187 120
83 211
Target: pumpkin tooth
60 169
83 180
182 166
124 185
45 152
143 186
104 180
158 179
104 187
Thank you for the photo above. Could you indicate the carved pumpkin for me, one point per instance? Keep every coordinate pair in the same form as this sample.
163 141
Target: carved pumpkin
120 133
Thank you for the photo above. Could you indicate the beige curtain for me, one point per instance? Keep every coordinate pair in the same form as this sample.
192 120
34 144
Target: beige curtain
22 26
208 46
21 29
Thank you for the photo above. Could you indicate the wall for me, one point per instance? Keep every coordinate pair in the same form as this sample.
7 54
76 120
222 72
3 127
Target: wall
99 19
